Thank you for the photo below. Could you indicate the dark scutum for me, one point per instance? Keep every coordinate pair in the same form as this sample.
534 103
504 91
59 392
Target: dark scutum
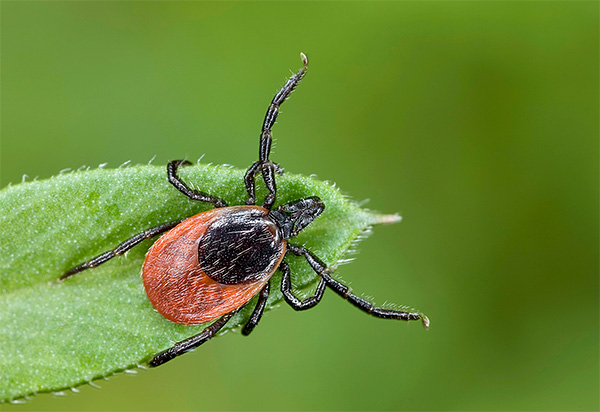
240 247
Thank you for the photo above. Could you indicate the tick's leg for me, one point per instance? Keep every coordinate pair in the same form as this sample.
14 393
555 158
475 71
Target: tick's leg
122 248
344 291
183 188
249 181
188 344
263 164
293 301
258 311
268 174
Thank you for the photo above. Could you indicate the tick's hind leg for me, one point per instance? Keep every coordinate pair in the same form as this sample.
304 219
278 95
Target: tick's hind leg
344 291
188 344
122 248
264 165
293 301
183 188
258 311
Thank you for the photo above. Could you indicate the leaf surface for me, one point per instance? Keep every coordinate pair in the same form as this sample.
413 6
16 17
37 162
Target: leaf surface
57 335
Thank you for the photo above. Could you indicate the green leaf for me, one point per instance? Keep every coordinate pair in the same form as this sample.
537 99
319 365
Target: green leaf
57 335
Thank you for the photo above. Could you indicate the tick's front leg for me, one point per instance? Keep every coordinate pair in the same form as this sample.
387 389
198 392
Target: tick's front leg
264 165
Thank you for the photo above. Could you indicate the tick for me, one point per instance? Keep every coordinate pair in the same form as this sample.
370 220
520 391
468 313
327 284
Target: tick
207 267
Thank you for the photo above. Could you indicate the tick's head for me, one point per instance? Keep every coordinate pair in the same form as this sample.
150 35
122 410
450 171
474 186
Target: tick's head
292 217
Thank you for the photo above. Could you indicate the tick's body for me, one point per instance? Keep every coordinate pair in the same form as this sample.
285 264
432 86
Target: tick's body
208 266
212 263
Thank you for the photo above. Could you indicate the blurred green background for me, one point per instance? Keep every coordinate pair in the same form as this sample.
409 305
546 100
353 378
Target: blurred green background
478 122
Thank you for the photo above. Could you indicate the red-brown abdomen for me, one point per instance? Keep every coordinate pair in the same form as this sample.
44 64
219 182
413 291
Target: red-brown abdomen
180 289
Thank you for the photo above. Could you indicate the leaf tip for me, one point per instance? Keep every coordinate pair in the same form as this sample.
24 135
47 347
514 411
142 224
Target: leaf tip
386 219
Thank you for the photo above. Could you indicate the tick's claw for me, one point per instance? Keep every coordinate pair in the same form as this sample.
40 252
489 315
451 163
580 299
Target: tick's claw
425 321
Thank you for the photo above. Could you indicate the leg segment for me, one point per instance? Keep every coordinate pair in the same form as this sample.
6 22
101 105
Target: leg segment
258 311
293 301
263 164
268 174
249 182
191 343
344 291
122 248
183 188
